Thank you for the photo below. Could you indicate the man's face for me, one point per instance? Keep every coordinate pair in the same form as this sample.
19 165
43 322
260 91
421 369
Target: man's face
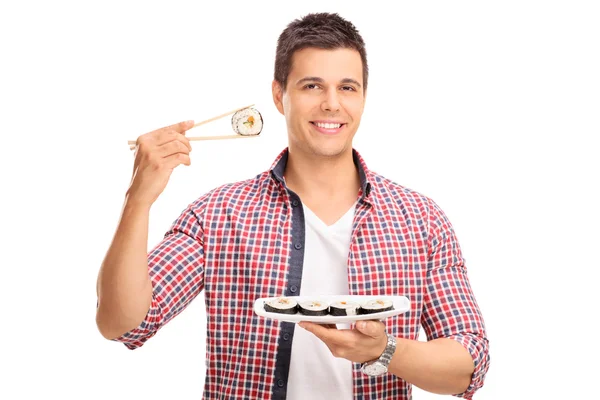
323 101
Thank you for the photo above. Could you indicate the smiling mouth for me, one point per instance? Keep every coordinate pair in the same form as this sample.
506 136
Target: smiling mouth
327 125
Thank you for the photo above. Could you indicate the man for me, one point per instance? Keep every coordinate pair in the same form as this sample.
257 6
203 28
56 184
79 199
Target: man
318 222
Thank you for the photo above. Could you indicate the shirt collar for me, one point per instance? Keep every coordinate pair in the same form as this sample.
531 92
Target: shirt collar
366 188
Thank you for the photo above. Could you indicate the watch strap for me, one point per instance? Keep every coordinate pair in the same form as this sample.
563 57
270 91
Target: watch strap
386 357
388 352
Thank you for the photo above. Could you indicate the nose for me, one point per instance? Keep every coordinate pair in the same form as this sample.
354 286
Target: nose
331 102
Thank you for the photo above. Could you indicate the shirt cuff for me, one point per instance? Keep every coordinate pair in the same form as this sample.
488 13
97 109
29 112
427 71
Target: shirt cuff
478 347
145 330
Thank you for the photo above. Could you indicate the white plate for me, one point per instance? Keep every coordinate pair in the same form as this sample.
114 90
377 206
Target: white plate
401 305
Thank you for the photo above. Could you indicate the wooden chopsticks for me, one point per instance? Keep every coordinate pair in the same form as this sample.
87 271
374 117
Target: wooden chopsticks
197 138
221 116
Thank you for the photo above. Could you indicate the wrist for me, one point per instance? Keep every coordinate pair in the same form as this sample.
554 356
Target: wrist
134 203
380 365
380 349
402 355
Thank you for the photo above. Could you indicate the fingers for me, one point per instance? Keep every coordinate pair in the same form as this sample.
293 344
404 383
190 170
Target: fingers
165 146
179 127
366 342
316 330
371 328
174 147
164 137
166 134
175 159
323 332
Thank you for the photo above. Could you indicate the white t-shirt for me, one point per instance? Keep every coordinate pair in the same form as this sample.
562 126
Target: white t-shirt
315 373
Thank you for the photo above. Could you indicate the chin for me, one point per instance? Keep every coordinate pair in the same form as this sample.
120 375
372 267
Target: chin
329 151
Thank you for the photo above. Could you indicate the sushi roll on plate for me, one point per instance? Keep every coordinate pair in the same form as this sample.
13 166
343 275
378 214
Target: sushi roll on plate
376 305
344 308
247 122
282 305
313 308
331 309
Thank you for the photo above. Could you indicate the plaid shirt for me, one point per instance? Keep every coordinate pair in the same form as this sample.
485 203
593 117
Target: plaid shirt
245 240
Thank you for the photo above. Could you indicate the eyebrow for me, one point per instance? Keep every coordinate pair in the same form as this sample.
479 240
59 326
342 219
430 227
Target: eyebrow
320 80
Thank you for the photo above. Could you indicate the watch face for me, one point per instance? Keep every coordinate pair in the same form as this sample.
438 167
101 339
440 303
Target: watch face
375 369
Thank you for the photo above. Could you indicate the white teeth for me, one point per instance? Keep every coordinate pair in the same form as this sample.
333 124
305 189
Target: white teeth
328 126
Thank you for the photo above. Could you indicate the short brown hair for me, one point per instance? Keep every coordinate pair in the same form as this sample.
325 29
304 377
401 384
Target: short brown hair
321 30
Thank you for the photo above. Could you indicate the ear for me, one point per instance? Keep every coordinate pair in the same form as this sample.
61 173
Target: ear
277 96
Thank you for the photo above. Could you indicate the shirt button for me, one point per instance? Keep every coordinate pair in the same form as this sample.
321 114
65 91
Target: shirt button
293 289
280 383
286 336
298 246
295 203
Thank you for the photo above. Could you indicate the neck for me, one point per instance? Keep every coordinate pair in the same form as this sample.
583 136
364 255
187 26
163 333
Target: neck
314 176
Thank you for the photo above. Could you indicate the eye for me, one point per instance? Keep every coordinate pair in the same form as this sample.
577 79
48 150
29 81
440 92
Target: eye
348 89
311 86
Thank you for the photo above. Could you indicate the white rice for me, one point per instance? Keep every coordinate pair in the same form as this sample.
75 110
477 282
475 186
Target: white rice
247 122
283 303
314 305
377 304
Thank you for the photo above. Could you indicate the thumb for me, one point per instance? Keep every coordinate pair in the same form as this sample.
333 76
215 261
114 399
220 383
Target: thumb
373 329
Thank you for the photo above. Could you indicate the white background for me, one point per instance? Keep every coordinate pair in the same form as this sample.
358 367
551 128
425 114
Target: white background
490 109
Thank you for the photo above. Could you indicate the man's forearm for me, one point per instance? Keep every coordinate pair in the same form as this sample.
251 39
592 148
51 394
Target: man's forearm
124 287
440 366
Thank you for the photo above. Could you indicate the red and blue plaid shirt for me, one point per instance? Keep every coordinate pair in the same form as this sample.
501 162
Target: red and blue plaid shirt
245 240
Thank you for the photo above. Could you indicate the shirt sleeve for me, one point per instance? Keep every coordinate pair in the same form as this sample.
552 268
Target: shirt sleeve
176 269
450 309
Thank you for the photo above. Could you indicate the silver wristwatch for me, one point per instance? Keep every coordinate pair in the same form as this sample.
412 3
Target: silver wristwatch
380 366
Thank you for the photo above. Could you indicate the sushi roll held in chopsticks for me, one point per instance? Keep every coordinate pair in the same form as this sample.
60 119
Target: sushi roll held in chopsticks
247 122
